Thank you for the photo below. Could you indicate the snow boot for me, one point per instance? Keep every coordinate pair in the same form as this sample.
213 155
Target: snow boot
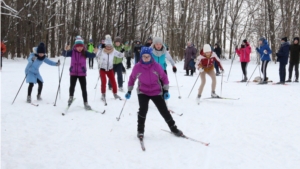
297 81
214 95
70 100
38 97
176 131
117 96
289 80
87 106
140 134
28 99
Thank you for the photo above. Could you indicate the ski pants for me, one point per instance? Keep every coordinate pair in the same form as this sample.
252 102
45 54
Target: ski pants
128 62
91 62
282 71
118 69
111 76
82 81
264 66
244 68
291 66
39 88
216 67
161 106
212 74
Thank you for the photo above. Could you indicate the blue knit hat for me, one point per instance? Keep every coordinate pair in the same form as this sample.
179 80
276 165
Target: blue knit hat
79 41
146 50
41 48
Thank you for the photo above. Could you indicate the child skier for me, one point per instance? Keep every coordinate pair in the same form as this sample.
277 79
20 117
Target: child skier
105 61
91 49
78 69
244 54
32 72
149 74
264 51
205 65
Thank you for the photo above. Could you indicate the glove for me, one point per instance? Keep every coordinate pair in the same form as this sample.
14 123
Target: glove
201 70
265 52
128 95
58 63
222 70
122 50
174 69
33 58
166 94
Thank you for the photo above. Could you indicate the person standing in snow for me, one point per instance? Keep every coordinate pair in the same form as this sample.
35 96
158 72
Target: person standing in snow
137 51
148 42
205 65
78 69
105 61
32 72
150 73
294 59
160 54
127 54
264 51
91 49
3 50
282 58
244 54
189 56
118 65
218 52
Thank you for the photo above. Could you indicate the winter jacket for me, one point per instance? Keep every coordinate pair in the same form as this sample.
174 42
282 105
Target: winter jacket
218 51
160 57
295 53
3 47
283 53
32 69
106 60
149 78
118 60
189 56
78 61
260 50
127 52
137 50
207 63
91 47
244 53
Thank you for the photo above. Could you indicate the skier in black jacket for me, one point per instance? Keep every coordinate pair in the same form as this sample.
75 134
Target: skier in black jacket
294 59
137 51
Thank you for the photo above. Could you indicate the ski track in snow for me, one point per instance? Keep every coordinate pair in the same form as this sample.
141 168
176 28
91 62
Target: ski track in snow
261 130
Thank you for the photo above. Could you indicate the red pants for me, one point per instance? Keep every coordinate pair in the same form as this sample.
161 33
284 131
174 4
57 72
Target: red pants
111 76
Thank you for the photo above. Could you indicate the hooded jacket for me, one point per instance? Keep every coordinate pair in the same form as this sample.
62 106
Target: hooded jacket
160 57
244 53
106 60
262 48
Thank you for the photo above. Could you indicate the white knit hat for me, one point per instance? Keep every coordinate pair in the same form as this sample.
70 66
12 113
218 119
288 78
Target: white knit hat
108 40
157 40
206 48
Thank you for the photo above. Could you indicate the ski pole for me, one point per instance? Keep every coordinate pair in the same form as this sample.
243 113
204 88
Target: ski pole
97 82
194 85
118 118
222 83
252 74
177 87
231 65
59 76
60 79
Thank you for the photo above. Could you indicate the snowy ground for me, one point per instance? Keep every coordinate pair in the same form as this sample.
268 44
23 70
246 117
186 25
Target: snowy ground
261 130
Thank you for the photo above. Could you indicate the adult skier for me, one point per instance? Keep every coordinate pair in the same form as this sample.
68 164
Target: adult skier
244 54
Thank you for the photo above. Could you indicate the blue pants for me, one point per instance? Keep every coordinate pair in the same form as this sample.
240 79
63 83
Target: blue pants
282 71
217 67
118 70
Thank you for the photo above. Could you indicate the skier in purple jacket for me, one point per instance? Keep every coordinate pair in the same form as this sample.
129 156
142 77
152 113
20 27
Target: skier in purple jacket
150 74
78 69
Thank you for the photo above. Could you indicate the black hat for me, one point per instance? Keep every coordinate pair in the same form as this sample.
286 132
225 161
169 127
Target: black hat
284 39
245 40
41 48
296 38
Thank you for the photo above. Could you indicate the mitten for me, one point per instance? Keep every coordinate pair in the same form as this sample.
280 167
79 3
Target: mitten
128 95
166 94
174 69
58 63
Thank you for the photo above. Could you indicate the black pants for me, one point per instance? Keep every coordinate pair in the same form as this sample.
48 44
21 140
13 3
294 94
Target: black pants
264 66
188 72
118 68
82 81
39 88
291 66
244 68
161 106
282 71
128 62
91 62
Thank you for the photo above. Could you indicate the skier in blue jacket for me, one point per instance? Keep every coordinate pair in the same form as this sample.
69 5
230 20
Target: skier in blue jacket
264 51
32 72
282 58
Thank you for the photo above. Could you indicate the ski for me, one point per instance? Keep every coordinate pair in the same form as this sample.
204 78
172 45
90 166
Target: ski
142 144
96 111
186 137
222 98
67 109
279 84
36 105
171 111
117 98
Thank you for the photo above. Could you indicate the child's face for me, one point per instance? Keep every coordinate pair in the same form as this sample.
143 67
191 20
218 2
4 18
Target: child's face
41 54
118 43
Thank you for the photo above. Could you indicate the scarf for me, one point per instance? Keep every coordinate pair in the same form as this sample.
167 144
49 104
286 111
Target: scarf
108 51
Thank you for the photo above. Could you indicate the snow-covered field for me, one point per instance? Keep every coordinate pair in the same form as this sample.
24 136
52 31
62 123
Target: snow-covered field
259 131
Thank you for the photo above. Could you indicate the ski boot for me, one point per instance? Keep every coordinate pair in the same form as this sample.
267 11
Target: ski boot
214 95
103 97
245 79
289 81
140 134
117 96
121 89
280 83
176 131
28 99
87 106
297 81
70 100
38 97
